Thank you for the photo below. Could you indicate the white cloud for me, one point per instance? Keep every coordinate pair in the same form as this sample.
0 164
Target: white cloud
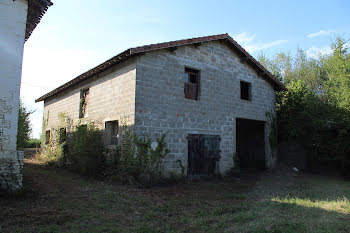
261 46
315 52
320 33
246 40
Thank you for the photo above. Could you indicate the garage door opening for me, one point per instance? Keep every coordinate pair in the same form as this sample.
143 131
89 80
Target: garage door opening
250 143
203 154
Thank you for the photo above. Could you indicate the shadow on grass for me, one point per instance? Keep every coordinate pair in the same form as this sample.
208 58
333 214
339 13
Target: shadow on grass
300 215
59 200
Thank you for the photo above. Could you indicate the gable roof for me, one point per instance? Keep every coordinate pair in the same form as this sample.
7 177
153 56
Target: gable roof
36 10
244 55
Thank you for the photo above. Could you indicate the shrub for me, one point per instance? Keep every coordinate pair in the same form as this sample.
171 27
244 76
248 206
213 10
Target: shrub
313 116
24 127
137 161
86 150
134 160
81 149
149 160
34 143
54 152
320 128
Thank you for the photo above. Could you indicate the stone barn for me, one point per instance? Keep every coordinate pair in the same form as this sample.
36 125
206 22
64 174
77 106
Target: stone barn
211 98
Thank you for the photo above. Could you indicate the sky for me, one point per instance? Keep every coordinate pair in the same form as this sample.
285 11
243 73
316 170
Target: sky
77 35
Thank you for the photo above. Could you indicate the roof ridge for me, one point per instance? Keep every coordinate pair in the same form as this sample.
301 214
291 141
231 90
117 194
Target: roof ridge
188 41
164 45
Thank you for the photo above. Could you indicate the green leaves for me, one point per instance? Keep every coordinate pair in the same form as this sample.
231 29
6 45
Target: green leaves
315 111
337 68
137 160
86 150
24 128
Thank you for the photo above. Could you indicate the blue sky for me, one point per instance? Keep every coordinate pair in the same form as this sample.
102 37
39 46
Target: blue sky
75 36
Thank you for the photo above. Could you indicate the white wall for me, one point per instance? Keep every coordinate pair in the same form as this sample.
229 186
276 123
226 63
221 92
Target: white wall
13 17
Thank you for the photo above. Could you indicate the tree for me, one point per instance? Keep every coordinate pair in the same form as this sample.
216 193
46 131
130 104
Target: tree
300 67
336 67
315 111
24 127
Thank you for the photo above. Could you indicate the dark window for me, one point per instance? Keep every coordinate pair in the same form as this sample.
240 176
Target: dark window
47 136
63 134
191 83
245 91
111 128
84 103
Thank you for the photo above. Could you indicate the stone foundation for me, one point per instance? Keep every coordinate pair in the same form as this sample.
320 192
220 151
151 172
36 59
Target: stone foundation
11 166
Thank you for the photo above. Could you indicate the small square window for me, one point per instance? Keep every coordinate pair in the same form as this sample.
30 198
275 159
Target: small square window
245 91
47 136
63 135
191 83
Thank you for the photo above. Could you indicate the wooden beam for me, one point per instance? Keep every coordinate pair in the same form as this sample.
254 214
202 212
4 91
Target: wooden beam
172 49
244 59
261 73
196 45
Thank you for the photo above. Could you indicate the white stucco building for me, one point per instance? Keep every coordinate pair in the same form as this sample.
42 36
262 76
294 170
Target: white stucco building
18 18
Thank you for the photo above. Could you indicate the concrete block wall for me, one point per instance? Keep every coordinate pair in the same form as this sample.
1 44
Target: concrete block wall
112 97
162 108
13 17
149 91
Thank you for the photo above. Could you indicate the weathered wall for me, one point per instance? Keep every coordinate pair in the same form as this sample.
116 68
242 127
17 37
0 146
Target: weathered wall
112 97
162 108
13 16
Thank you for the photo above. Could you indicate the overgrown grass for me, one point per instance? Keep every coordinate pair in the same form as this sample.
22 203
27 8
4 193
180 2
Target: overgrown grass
57 200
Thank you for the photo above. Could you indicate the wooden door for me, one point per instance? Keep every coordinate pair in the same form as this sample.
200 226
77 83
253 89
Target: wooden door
203 154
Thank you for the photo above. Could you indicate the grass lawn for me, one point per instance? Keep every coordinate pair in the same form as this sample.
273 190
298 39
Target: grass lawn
56 200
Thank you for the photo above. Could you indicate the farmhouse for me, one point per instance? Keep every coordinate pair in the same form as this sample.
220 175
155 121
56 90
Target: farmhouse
18 19
211 98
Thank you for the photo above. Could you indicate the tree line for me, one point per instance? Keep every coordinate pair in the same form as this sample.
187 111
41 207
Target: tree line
314 113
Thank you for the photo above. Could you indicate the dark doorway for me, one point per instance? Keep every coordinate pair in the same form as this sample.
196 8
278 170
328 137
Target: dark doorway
203 154
250 143
111 131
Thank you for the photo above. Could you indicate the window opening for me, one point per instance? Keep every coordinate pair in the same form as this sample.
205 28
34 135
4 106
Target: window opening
47 137
245 91
84 103
191 83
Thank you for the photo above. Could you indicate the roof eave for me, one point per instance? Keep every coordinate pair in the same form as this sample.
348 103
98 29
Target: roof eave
278 85
36 10
103 66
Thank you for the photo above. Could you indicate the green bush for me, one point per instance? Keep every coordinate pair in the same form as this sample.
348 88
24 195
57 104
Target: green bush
79 147
24 127
321 128
52 153
34 143
86 150
313 116
136 160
